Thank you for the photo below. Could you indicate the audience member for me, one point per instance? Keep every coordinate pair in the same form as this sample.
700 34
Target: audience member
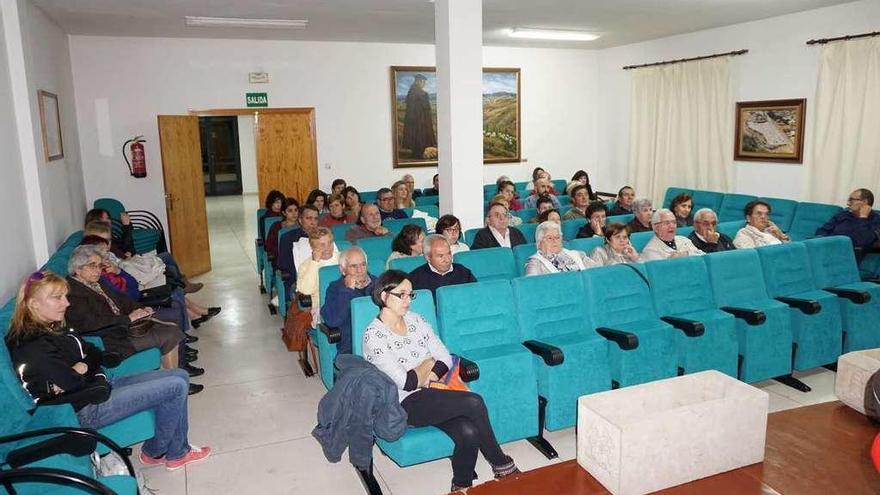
407 243
624 205
352 202
542 189
544 204
582 177
403 345
338 186
433 191
858 221
596 214
705 236
353 282
385 202
336 214
410 182
643 210
759 230
290 211
580 200
617 248
369 224
513 220
497 233
449 227
54 362
681 207
550 215
402 195
508 190
274 204
551 257
439 271
318 199
665 244
324 253
302 248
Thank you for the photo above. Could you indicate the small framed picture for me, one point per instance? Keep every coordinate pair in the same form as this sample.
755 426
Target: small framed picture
771 130
50 124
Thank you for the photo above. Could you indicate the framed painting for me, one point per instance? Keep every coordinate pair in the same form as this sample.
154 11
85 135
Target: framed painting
771 130
50 124
414 115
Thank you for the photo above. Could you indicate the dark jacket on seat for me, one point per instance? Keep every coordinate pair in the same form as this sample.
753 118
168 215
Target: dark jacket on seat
362 403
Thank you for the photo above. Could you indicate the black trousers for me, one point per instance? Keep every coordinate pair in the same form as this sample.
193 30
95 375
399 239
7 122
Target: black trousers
462 416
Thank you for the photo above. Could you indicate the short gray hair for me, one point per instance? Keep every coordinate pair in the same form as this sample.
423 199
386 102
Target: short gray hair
343 256
80 257
704 211
656 217
543 229
429 241
641 203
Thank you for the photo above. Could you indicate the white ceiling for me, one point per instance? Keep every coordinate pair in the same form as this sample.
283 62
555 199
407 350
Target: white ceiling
412 21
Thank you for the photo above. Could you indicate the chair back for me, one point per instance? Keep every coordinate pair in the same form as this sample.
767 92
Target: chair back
113 206
550 305
521 255
489 264
781 212
465 325
427 201
733 207
680 285
408 263
585 244
672 192
640 239
736 277
340 230
809 217
528 231
707 199
786 269
526 214
616 295
570 228
620 218
469 235
377 248
559 185
731 228
833 261
395 225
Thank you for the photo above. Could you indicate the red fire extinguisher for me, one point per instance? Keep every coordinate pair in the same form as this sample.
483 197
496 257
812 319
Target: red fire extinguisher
137 167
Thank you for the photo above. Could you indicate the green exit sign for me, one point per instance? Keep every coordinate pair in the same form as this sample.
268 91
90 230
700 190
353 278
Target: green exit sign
257 100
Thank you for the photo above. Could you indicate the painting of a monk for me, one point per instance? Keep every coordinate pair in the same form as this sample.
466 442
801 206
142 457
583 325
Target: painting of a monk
418 123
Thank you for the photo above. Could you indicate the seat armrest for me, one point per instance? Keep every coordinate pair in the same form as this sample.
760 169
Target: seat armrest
691 328
551 354
625 340
468 370
73 431
333 334
806 306
66 443
751 316
853 295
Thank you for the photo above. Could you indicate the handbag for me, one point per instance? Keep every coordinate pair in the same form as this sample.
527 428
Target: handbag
140 328
452 379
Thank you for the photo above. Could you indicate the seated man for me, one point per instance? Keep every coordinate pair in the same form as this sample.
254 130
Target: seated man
858 221
302 248
580 200
369 224
596 214
433 191
385 202
544 204
354 282
665 244
705 237
643 209
439 271
542 189
322 252
760 230
625 197
497 232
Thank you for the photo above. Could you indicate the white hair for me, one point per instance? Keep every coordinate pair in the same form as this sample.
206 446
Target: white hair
703 211
429 241
641 203
343 256
544 228
657 216
81 256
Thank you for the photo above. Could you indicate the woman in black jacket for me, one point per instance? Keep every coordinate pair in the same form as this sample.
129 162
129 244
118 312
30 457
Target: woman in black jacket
56 365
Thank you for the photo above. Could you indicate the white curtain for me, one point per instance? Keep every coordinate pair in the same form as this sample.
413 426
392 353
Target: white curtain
681 127
846 141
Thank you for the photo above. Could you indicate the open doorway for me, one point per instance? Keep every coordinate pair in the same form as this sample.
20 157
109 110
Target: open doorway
221 157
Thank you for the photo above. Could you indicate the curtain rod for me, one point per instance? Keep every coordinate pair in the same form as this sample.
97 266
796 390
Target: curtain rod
680 60
843 38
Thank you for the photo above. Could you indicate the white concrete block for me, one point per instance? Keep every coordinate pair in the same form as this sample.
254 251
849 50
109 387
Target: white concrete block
648 437
853 371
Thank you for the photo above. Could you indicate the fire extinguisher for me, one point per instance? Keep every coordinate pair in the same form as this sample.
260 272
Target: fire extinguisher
137 167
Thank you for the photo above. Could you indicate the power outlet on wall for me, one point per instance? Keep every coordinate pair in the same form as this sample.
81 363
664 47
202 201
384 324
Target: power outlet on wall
328 166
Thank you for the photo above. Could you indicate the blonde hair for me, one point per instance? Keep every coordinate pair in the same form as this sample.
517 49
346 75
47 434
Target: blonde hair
408 201
319 233
25 324
502 199
97 227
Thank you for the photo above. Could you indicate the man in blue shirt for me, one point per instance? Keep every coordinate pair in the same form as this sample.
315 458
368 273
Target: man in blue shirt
858 221
354 282
385 202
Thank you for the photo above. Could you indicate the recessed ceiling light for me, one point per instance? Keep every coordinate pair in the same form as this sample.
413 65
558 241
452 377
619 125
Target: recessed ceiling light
552 34
193 21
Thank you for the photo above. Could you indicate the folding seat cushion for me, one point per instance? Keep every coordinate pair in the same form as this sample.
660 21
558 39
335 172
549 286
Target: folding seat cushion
377 248
617 297
408 263
738 282
478 322
550 310
680 289
781 211
489 264
395 225
815 314
733 207
417 445
570 228
808 218
587 244
619 218
521 255
672 192
528 231
707 199
834 270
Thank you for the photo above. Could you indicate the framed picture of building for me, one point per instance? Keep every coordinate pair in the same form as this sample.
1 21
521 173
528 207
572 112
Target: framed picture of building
771 130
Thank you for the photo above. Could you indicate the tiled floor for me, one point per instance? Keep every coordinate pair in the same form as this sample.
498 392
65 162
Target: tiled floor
257 409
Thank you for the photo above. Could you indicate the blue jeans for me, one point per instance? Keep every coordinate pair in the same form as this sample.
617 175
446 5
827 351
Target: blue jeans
176 313
164 392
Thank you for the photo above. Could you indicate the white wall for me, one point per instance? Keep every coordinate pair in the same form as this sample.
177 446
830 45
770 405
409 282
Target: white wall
247 152
347 83
778 66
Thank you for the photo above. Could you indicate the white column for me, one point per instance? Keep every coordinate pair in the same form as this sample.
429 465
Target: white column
458 34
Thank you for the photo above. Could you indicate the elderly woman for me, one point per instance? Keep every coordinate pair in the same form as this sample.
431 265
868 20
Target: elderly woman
759 230
643 210
552 257
407 243
449 226
617 248
94 306
55 363
682 206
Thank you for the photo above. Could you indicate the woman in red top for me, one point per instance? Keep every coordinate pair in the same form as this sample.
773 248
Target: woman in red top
336 215
290 211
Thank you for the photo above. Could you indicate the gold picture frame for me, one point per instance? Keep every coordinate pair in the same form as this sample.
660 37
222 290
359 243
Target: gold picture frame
50 125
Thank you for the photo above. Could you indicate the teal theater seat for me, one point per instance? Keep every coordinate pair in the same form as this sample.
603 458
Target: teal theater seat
422 201
267 274
340 230
559 185
395 225
570 228
619 218
469 235
489 264
808 218
730 228
781 211
407 264
521 256
526 214
707 199
528 231
326 347
733 207
586 244
377 248
682 296
640 239
672 192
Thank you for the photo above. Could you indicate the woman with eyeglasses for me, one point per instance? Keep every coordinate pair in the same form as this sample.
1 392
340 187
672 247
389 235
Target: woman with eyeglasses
403 345
551 257
449 226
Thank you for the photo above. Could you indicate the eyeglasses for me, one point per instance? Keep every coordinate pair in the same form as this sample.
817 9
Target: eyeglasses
386 198
356 265
552 238
705 222
403 295
452 230
95 265
853 200
665 222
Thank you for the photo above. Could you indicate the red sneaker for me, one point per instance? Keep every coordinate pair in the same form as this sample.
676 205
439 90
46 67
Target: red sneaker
194 454
150 461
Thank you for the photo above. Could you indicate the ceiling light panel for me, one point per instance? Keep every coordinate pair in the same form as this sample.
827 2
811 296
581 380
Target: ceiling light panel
193 21
552 34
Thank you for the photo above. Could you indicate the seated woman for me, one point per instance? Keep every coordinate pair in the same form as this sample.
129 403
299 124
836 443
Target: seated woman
512 220
508 190
274 205
54 363
584 178
550 215
338 186
552 257
682 206
324 253
318 199
290 212
617 248
449 226
336 214
643 209
625 197
596 214
402 195
407 243
403 346
759 230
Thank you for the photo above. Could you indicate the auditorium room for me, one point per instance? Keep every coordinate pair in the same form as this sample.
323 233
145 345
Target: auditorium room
418 247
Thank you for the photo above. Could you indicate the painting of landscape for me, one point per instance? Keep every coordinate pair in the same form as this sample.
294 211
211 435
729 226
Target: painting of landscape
414 114
770 130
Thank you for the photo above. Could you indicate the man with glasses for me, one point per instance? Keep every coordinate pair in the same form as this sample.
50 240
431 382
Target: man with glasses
665 244
354 282
385 202
759 230
497 232
705 236
439 271
858 221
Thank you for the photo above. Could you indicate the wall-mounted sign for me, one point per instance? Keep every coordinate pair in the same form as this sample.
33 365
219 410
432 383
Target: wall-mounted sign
258 77
256 100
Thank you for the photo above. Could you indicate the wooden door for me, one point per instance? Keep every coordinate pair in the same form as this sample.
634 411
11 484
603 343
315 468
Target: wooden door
287 156
185 192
